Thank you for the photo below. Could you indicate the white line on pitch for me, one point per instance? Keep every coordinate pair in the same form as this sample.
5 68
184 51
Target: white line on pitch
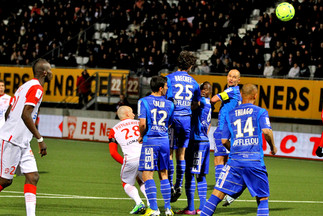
64 196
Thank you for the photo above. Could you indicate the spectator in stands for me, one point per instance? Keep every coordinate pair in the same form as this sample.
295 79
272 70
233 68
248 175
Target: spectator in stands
204 68
122 102
84 88
217 66
294 71
279 69
319 71
268 69
304 71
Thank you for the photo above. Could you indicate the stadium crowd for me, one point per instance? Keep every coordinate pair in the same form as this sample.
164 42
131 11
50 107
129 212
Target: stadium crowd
146 36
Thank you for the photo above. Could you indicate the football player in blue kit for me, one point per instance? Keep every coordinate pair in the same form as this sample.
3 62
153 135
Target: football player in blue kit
185 93
244 125
155 115
230 98
197 155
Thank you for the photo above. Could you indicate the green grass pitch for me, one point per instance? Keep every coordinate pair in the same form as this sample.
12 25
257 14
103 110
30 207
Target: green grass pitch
81 178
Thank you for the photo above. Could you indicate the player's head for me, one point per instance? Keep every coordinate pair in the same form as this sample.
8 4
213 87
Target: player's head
125 112
233 77
158 84
186 60
249 93
206 89
42 69
2 87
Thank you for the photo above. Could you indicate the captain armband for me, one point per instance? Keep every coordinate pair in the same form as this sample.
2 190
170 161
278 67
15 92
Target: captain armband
224 96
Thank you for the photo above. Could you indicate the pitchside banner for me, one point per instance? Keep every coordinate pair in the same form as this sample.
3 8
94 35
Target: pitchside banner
63 85
285 98
289 144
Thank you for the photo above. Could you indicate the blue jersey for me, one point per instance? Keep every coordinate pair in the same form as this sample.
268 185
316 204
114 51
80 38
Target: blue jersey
182 90
158 113
230 98
244 126
201 120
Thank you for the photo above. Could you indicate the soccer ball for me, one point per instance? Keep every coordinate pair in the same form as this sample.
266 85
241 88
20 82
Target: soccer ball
285 11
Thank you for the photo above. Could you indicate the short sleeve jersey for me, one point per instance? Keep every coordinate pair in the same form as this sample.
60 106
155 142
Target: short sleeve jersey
230 98
244 126
182 90
15 130
159 113
4 104
201 119
126 133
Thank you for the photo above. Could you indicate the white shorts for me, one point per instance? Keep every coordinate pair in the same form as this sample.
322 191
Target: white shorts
12 156
129 171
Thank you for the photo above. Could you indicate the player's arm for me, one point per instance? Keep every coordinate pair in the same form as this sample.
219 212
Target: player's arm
215 99
26 117
7 112
142 129
226 143
226 135
113 147
268 133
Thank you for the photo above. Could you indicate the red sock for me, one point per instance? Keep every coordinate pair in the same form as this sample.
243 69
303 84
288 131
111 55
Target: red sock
1 188
29 188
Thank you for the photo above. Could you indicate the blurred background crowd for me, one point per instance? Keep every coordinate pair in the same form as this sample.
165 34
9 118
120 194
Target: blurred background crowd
146 36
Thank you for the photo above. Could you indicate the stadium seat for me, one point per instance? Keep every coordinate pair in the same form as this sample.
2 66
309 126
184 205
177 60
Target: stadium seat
96 26
97 35
105 35
312 70
267 57
103 26
85 60
204 46
79 60
255 12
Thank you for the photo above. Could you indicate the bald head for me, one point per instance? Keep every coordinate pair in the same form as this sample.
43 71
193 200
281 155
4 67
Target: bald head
125 112
249 93
233 77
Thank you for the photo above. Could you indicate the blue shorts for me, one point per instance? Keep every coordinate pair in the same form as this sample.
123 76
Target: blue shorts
197 157
154 154
232 180
182 131
219 149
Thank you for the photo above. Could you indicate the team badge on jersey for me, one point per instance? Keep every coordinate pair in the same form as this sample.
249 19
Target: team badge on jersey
38 93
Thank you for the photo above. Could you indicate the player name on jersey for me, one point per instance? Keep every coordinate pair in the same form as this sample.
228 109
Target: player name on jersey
241 112
183 78
159 103
182 103
246 142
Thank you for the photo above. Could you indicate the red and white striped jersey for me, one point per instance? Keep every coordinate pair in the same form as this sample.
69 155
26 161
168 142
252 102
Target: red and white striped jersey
126 134
4 104
15 130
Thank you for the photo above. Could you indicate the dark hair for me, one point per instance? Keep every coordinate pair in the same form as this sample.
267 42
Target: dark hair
36 65
185 60
204 84
1 81
156 82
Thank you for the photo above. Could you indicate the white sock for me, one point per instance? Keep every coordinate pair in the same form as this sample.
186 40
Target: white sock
143 190
30 200
132 193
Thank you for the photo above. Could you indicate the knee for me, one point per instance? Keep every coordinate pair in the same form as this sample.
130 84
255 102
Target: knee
32 178
5 182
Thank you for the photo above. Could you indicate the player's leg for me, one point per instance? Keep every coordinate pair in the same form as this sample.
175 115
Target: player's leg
142 186
230 182
30 189
220 153
172 146
213 201
204 155
9 157
256 179
182 131
165 188
129 174
263 208
147 164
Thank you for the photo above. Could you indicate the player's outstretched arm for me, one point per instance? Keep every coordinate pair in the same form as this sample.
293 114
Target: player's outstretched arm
26 117
215 99
268 133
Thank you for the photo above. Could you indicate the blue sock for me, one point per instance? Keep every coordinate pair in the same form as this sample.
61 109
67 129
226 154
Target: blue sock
190 190
263 208
202 190
165 191
171 172
180 170
151 192
218 170
210 206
